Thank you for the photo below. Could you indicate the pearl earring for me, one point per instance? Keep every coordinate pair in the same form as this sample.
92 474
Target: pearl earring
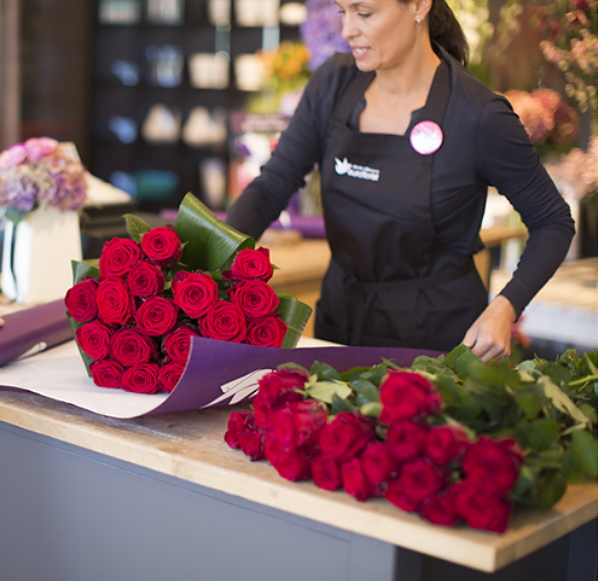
418 20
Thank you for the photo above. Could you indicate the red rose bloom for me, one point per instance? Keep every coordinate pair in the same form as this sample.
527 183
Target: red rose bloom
419 479
280 386
224 321
170 375
255 297
106 373
81 301
142 378
94 339
145 280
162 245
355 481
177 343
115 303
293 465
439 510
130 347
236 422
263 413
345 436
266 331
326 472
378 463
195 293
405 395
118 257
251 441
252 264
299 423
492 465
445 444
395 494
405 439
478 509
156 316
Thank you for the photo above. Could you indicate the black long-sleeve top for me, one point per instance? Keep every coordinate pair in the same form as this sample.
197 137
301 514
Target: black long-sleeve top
484 145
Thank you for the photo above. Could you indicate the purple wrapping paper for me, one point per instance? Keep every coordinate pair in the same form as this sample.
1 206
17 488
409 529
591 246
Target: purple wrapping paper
34 329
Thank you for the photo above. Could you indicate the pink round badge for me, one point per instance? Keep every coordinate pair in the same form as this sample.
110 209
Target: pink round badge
426 137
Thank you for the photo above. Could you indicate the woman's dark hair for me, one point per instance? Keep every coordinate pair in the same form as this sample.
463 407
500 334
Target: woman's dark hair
447 32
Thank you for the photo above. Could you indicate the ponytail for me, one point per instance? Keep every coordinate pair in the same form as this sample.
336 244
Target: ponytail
446 31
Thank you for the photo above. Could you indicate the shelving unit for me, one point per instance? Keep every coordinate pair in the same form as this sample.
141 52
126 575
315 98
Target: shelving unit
111 97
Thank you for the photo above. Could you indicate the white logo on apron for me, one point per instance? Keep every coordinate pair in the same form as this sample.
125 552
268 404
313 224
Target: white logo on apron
362 172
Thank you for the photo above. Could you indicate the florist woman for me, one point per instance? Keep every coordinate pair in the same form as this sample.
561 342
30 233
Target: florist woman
407 142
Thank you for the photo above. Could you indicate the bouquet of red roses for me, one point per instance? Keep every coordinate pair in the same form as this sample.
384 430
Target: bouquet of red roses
451 439
135 311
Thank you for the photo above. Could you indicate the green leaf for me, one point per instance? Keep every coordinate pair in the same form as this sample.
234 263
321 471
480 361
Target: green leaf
366 389
211 243
573 472
340 405
84 269
136 226
87 360
551 488
295 314
324 371
459 360
372 409
324 390
561 401
14 215
449 389
540 434
531 400
292 365
589 411
583 446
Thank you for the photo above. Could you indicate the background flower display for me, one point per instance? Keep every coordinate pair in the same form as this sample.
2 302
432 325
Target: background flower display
135 310
40 172
450 438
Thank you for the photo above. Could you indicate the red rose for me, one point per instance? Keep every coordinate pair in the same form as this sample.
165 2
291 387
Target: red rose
405 440
145 280
299 423
234 427
255 297
115 303
94 339
293 465
170 375
162 245
478 509
326 472
378 463
266 331
118 257
177 343
419 479
264 414
156 316
345 436
130 347
106 373
251 441
439 510
445 444
395 494
252 264
142 378
81 301
280 386
492 465
405 395
224 321
195 293
355 481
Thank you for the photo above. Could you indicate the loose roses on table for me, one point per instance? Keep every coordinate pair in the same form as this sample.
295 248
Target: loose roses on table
135 311
451 439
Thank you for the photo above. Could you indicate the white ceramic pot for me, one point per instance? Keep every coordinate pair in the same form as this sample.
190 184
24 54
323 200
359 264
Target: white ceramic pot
37 254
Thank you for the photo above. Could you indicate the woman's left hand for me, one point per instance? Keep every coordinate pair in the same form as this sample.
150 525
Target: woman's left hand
490 335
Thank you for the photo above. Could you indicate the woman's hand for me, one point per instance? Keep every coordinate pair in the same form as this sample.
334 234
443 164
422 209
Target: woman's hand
490 335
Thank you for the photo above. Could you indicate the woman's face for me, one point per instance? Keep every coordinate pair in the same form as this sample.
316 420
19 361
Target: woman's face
381 33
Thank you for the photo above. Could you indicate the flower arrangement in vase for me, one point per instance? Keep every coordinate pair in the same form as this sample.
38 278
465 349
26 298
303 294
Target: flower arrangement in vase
42 185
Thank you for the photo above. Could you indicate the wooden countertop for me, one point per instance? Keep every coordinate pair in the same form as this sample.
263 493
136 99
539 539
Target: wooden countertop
190 446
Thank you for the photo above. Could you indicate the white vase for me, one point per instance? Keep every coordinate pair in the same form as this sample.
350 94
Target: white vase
37 254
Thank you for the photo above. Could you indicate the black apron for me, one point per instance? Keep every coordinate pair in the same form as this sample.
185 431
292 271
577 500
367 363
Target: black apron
391 282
